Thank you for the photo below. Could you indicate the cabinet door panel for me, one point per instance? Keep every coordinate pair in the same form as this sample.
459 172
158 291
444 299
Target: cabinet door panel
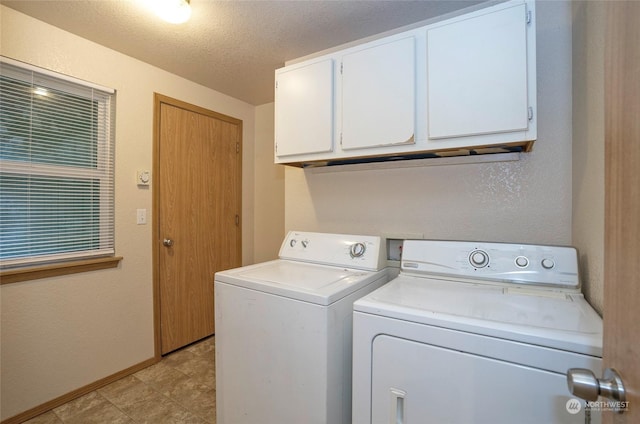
378 95
304 109
477 75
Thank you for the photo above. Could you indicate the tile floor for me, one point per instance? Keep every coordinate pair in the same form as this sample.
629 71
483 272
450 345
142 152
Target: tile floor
178 389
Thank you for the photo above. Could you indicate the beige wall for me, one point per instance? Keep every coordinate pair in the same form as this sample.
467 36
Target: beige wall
524 201
269 189
60 334
588 145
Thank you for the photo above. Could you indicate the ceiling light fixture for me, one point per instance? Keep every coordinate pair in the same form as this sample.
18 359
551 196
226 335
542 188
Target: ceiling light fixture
172 11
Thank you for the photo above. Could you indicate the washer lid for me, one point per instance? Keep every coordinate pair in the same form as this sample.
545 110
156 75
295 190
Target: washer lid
313 283
547 318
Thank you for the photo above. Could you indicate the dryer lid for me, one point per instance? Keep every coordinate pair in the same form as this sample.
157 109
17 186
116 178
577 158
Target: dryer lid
554 319
313 283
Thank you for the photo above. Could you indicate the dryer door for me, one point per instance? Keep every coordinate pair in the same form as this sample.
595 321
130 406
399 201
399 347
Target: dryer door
415 382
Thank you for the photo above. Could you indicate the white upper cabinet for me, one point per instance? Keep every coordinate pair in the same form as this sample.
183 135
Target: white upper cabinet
304 109
477 81
379 95
464 85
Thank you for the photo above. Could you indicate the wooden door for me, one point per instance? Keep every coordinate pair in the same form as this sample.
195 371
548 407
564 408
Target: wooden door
197 196
622 201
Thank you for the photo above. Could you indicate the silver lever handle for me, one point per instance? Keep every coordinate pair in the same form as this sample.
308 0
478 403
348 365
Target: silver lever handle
584 384
167 242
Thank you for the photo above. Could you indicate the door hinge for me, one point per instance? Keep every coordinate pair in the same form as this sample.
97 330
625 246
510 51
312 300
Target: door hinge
341 67
341 139
237 220
276 85
529 16
237 147
530 113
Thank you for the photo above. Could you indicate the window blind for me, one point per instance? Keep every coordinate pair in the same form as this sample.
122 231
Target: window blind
56 167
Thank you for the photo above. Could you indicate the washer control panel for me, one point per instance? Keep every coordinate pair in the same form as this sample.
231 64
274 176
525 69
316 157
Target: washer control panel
501 262
351 251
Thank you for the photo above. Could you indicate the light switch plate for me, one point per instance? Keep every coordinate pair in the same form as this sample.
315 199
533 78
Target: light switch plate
141 216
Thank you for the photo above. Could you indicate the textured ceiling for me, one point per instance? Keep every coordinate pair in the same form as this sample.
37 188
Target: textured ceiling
232 46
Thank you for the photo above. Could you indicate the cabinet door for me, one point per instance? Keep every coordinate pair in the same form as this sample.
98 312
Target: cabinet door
304 109
477 74
378 95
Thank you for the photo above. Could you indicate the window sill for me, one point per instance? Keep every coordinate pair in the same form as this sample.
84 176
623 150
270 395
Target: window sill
54 270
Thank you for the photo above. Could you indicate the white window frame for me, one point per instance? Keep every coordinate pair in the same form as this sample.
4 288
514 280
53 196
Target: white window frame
104 172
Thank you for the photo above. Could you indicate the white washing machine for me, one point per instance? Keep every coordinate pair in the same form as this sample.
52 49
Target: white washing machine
284 327
474 333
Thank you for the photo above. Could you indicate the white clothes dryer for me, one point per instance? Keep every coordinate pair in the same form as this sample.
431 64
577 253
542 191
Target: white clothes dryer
284 330
474 333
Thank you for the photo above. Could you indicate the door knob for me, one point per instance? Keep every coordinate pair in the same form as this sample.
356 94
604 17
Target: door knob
584 384
167 242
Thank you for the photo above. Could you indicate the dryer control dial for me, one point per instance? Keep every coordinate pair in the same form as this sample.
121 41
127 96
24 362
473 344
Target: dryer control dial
479 258
357 250
548 263
522 261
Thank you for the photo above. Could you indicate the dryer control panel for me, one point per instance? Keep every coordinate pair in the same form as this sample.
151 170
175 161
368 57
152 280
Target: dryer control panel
350 251
525 264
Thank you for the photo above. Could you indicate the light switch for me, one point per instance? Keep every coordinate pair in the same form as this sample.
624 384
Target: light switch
141 215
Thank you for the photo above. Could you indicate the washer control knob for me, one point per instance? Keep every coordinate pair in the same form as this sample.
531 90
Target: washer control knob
357 250
522 261
305 243
479 258
293 242
548 263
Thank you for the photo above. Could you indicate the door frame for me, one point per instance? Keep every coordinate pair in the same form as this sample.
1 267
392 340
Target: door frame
622 198
156 242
